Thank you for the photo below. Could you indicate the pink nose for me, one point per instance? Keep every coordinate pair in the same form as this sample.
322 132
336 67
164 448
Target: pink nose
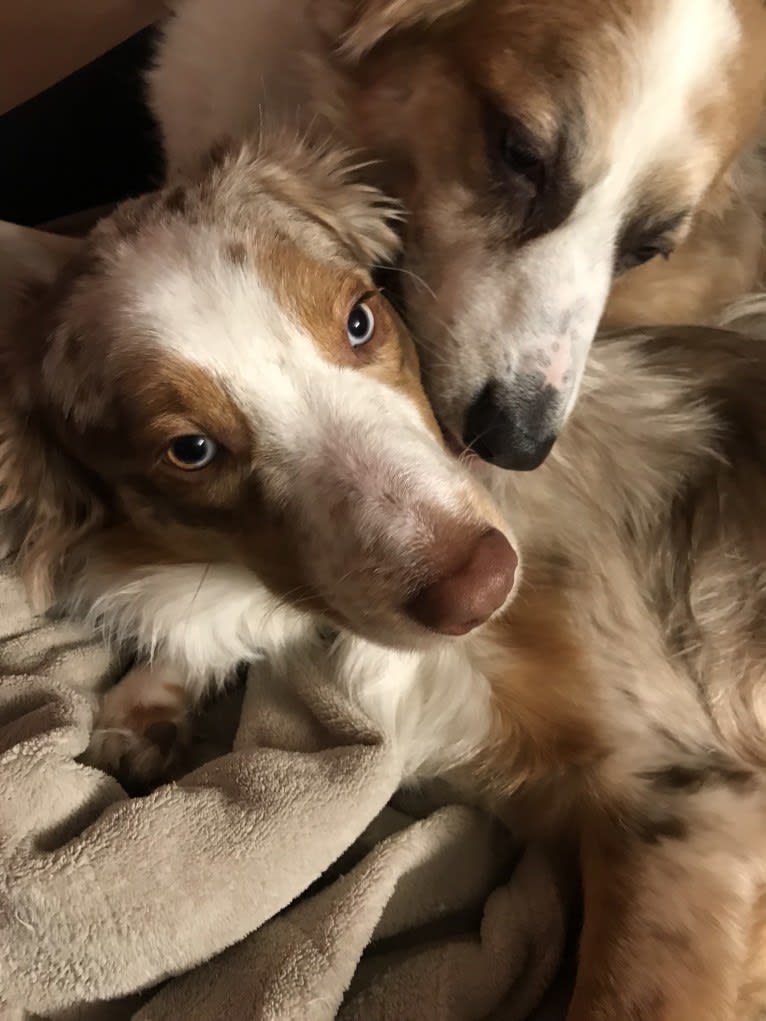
468 593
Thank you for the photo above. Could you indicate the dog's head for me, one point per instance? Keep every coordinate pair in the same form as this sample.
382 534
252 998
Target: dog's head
212 378
541 148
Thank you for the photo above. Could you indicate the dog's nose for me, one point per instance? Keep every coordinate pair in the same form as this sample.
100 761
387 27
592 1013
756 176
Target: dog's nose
469 592
509 430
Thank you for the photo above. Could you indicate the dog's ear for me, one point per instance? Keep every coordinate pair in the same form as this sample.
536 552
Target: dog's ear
323 182
359 215
44 505
356 26
29 261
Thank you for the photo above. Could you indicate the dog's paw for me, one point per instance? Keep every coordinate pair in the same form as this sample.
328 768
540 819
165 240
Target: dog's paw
139 760
141 730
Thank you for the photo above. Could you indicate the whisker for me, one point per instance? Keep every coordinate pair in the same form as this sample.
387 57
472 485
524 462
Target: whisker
205 573
409 273
289 600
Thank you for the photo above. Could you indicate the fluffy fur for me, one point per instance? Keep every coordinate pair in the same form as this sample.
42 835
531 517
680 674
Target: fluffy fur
543 151
619 701
618 698
218 308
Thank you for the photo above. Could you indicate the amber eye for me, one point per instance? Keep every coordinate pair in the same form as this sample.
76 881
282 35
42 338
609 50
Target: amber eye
190 453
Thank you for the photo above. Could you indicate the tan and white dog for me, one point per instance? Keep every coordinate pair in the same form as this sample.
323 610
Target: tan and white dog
543 151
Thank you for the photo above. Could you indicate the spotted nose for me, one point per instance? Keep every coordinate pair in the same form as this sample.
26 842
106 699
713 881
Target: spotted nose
509 429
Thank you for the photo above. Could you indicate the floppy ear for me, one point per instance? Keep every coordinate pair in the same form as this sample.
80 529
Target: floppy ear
359 215
322 181
44 505
29 259
356 26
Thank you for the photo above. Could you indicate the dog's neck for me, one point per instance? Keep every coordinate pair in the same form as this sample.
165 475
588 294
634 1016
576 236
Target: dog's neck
206 619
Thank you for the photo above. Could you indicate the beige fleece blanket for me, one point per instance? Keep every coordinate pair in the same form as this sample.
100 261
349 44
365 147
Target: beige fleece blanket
274 881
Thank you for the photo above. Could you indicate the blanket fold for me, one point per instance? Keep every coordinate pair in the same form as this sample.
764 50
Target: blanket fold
270 882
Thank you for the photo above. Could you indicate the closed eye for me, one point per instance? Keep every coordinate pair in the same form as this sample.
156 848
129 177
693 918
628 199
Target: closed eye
532 176
520 156
642 254
641 241
514 151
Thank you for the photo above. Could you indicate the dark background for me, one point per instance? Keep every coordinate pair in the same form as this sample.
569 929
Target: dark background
87 141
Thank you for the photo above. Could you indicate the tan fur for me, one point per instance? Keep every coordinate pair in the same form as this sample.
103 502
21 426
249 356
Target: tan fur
64 510
301 285
721 259
752 990
541 151
542 720
310 506
637 960
629 674
148 714
320 180
628 690
417 66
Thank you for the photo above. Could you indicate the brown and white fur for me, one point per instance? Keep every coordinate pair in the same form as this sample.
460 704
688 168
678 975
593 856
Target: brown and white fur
619 697
218 309
541 150
625 685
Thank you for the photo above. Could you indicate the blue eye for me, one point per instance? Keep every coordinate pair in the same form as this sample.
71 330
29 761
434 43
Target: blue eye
190 453
360 325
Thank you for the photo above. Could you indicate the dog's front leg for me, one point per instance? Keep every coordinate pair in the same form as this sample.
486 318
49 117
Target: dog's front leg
667 913
142 725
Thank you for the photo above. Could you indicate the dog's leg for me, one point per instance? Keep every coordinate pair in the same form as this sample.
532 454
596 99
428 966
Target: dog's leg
667 917
142 725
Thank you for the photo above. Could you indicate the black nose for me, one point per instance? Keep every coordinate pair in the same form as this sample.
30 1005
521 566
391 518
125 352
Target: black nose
510 429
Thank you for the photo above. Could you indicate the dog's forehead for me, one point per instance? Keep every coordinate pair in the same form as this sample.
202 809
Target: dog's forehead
251 309
648 115
252 343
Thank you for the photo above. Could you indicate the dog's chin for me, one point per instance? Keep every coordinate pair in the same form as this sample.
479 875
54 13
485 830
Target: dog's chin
399 634
396 631
402 634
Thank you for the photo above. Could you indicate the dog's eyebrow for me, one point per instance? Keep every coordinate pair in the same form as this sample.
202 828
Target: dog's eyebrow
562 191
669 224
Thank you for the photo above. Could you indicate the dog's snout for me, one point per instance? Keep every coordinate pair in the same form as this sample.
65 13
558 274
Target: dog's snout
468 591
508 428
